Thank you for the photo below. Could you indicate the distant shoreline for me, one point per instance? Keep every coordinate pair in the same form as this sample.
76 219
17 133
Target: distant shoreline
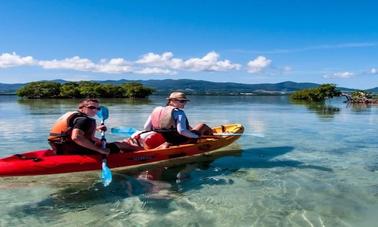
160 94
205 88
9 94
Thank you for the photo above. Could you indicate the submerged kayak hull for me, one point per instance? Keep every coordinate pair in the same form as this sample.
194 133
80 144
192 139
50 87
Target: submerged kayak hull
46 162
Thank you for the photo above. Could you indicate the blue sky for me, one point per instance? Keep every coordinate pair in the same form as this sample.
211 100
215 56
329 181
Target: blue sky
234 41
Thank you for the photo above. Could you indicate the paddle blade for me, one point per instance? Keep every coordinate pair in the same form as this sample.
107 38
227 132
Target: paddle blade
123 131
106 174
103 113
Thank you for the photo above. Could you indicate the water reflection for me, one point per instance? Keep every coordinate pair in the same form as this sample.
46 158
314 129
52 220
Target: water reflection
266 157
298 173
359 107
88 195
225 100
128 101
155 188
50 103
324 111
47 106
60 106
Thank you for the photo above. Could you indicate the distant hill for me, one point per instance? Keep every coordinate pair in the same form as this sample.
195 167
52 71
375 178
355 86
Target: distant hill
212 88
9 88
207 87
373 90
204 87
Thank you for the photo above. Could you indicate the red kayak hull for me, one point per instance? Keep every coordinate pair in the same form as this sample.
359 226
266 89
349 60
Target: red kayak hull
46 162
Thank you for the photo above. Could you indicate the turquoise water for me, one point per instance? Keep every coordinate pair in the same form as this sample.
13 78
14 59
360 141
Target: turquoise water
315 166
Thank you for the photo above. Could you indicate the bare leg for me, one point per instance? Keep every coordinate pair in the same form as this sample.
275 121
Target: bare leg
126 147
162 146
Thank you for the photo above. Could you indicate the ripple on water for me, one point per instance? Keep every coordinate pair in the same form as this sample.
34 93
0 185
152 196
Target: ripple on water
304 172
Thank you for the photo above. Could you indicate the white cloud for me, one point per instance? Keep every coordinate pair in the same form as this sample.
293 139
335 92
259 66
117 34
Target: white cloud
209 62
287 69
155 70
115 65
75 63
258 64
12 60
149 63
374 71
155 60
341 75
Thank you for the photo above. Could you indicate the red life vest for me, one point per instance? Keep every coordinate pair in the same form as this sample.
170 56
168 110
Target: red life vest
62 129
162 118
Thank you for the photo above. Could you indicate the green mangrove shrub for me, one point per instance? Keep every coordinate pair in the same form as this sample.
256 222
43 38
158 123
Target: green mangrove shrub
318 94
82 89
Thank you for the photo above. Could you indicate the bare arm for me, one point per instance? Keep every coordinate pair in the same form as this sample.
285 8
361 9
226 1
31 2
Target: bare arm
148 124
98 128
182 127
78 137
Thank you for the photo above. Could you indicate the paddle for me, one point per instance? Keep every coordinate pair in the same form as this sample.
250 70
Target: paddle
127 132
106 174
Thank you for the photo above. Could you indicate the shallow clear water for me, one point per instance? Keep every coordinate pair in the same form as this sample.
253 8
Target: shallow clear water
315 166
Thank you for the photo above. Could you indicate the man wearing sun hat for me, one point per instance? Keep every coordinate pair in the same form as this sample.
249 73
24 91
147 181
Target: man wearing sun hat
172 123
178 95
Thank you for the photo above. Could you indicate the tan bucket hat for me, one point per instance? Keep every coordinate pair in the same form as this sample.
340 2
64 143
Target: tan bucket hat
178 96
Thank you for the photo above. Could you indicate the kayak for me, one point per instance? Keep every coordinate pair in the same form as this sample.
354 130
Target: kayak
43 162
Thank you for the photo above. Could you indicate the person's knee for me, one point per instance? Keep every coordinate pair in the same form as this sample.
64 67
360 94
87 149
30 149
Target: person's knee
201 125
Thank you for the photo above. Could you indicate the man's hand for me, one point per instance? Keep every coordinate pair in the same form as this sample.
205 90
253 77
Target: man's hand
105 151
79 138
101 128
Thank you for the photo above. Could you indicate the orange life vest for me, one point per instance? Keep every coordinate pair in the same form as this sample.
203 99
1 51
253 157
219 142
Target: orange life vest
162 118
62 129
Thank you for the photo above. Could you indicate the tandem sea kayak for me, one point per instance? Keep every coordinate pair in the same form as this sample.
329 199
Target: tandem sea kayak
47 162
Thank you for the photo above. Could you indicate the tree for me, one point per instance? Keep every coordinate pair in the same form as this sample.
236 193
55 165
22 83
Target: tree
359 96
70 90
40 89
82 89
136 90
89 89
318 94
109 91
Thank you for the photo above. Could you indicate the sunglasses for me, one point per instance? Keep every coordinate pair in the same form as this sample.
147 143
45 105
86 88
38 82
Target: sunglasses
93 107
181 101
